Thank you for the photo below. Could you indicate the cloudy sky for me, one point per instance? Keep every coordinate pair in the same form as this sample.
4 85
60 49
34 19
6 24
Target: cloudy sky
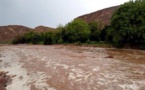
51 13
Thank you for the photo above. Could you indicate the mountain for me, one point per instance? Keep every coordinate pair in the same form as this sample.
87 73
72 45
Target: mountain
102 16
43 29
8 33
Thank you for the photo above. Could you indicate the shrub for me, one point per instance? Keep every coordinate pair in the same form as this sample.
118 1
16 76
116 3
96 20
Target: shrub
95 32
60 41
77 30
128 23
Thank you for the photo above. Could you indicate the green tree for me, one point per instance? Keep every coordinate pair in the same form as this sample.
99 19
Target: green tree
128 23
77 30
32 37
19 39
103 33
95 33
47 38
56 35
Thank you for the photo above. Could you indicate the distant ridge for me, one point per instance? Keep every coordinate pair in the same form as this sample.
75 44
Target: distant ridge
43 29
8 33
102 16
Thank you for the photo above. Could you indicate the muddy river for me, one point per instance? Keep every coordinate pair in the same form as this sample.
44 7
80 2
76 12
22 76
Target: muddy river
58 67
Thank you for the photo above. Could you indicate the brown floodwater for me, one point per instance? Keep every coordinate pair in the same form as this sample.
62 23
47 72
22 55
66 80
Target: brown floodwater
58 67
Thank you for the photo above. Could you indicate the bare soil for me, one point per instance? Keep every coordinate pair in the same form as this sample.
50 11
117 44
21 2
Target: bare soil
58 67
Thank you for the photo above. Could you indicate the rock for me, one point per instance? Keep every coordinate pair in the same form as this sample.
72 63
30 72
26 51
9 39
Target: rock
21 77
2 87
109 57
14 75
1 60
4 80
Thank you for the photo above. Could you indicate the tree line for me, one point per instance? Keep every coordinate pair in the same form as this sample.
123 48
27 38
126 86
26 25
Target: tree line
127 28
75 31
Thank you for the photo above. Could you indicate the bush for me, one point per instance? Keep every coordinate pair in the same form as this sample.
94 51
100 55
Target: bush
19 39
60 41
128 24
95 32
88 42
103 33
77 30
142 47
78 43
47 38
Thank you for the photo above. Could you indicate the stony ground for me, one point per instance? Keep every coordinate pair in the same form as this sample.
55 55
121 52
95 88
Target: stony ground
57 67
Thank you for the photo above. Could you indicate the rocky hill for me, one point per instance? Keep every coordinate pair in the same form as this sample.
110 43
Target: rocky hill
43 29
102 16
8 33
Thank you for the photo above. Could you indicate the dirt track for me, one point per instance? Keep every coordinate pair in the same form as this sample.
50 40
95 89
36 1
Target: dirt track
72 68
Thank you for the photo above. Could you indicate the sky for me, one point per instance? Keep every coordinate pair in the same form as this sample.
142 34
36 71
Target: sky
51 13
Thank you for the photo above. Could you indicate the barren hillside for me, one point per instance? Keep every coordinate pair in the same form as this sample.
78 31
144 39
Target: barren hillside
102 16
43 29
8 33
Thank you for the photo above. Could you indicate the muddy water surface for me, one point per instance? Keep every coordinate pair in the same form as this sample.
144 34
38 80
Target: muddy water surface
73 68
